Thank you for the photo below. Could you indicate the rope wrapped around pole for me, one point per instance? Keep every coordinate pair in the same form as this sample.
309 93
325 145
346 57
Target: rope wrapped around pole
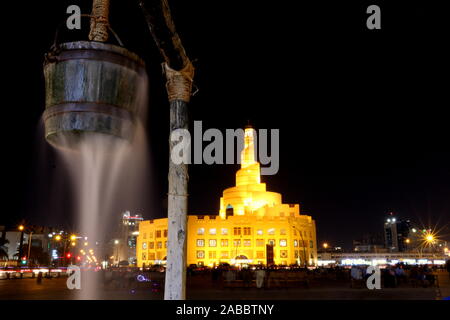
99 21
179 83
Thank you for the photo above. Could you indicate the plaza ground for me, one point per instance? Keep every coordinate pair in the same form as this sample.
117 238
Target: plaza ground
202 288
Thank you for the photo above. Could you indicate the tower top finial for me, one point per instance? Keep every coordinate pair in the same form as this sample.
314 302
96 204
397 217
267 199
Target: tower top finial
249 125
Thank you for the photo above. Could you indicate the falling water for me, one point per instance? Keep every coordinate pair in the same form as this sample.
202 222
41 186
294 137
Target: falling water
107 176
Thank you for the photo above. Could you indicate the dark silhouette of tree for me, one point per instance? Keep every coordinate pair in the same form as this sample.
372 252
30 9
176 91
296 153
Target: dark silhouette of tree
37 255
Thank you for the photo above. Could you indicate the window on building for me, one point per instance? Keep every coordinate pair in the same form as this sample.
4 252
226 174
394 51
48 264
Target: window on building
271 231
213 231
247 231
224 254
165 244
158 234
131 242
295 243
144 245
283 242
296 254
159 245
224 243
259 232
151 256
165 233
144 256
311 244
310 234
271 242
237 231
260 242
283 232
150 235
201 231
259 254
212 242
247 243
200 242
236 242
224 231
212 254
151 245
200 254
283 254
145 235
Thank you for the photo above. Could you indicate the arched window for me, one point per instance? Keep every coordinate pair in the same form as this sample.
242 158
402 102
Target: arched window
229 210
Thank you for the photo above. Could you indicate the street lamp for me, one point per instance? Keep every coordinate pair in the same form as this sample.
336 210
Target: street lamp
30 233
325 245
116 243
21 229
29 248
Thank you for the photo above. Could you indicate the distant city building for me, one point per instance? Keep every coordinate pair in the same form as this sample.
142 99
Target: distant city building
125 244
371 242
401 235
369 247
396 233
34 235
384 258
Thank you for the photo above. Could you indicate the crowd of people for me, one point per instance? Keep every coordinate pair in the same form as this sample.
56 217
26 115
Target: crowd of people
261 277
394 276
257 276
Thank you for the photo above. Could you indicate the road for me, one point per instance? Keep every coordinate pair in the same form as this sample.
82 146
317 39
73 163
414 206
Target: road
202 288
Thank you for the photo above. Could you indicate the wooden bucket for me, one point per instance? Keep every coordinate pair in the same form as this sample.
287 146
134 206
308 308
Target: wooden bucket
92 87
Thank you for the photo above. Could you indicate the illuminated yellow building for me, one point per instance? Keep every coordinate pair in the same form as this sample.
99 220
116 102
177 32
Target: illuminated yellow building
253 226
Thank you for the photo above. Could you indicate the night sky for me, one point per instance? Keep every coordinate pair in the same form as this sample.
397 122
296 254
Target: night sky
361 113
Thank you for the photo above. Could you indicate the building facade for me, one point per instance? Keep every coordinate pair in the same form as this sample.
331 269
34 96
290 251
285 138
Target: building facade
397 234
36 236
381 258
253 226
124 246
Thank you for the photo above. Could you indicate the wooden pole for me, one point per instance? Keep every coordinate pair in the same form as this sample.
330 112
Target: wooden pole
179 74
